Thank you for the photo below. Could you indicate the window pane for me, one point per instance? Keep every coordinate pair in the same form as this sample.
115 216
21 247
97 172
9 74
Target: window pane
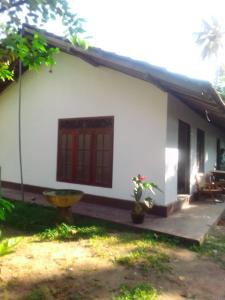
79 173
64 141
82 173
80 141
83 157
107 159
100 141
99 158
69 141
80 156
103 158
106 175
107 141
66 156
68 171
86 174
87 158
98 175
87 145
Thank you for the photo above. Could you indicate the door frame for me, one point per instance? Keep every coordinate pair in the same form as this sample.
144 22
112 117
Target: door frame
181 172
200 150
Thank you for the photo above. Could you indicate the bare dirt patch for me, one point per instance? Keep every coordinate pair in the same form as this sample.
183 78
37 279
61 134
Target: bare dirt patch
88 269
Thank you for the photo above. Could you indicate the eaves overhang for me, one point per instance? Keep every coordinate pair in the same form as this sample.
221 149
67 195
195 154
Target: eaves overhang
199 95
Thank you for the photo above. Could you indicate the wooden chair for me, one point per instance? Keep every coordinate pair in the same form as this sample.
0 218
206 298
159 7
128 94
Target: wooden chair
205 186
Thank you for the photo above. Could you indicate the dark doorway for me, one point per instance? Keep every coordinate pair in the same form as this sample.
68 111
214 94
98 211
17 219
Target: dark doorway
218 149
200 150
183 180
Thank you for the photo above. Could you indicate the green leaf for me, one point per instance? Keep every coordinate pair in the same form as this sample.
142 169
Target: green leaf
33 51
148 202
5 207
7 246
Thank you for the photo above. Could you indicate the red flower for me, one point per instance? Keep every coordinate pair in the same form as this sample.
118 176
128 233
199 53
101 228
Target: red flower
141 178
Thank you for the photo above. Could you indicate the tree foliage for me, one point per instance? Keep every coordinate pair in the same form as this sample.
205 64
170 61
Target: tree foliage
210 39
33 50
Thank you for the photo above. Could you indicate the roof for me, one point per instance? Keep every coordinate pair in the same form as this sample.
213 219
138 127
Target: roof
199 95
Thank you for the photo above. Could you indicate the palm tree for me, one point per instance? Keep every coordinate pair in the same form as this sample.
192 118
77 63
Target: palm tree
211 38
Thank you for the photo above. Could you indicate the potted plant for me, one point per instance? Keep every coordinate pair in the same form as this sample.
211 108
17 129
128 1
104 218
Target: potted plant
143 201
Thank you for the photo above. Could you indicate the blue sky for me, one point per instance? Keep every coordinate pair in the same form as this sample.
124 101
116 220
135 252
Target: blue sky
159 32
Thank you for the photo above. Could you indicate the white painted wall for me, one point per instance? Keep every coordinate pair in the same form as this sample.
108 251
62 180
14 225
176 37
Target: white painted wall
77 89
179 111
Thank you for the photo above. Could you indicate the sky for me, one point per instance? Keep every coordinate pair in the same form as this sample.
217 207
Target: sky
157 31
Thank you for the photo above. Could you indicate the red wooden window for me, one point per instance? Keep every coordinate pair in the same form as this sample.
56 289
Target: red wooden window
85 151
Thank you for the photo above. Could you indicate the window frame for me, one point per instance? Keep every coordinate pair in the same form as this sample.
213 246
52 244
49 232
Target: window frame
93 149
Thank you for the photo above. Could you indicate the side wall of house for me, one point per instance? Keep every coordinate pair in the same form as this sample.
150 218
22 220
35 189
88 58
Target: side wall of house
77 89
179 111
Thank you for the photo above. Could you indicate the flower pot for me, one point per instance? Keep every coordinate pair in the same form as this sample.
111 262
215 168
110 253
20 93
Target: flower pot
63 200
138 213
137 218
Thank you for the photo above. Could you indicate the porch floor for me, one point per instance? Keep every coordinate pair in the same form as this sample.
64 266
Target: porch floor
191 224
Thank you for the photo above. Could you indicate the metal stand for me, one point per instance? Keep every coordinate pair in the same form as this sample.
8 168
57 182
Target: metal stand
65 215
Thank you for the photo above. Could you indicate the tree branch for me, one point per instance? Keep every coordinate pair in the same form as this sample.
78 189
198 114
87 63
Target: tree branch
16 4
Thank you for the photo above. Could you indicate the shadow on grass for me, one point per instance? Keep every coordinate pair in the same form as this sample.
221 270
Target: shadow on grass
31 218
91 283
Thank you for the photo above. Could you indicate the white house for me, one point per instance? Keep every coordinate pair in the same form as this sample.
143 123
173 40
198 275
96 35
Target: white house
98 119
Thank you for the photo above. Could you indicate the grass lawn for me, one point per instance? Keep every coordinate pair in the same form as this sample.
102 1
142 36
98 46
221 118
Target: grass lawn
98 260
